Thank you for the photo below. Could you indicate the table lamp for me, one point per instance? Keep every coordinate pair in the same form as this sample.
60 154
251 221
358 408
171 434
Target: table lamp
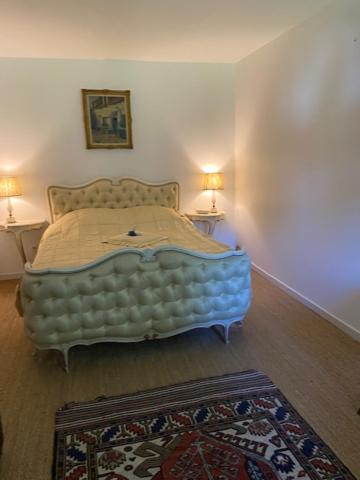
213 181
10 187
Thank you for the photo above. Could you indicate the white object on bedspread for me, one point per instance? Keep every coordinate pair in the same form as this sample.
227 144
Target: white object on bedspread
140 240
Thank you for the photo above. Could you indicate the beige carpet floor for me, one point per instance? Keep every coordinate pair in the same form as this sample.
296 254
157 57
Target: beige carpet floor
315 365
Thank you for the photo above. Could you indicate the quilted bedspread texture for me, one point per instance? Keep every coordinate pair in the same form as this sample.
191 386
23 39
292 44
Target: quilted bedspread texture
80 236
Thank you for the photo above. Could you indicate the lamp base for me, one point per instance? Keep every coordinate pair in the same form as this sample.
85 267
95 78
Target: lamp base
10 218
213 202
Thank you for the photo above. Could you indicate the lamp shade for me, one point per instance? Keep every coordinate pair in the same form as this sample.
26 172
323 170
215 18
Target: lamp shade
10 187
214 181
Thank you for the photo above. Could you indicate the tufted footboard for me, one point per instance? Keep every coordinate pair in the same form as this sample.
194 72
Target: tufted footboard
132 295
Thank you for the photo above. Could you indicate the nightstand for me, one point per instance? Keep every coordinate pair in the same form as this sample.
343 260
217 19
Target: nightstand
18 229
209 219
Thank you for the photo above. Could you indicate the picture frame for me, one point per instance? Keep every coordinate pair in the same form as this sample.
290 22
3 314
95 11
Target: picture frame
107 118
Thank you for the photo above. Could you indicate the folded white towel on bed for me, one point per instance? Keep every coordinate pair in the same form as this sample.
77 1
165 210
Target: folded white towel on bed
140 240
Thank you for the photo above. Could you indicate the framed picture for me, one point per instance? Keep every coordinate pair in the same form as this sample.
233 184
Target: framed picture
107 118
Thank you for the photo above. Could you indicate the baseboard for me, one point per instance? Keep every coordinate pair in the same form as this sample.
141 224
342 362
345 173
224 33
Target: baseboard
309 303
10 276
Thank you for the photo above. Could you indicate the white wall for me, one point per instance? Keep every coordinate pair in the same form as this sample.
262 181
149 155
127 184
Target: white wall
298 159
183 119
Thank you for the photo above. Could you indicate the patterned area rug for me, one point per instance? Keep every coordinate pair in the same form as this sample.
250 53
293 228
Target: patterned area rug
234 427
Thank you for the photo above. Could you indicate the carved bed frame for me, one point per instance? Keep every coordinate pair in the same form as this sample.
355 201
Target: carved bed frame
107 192
175 289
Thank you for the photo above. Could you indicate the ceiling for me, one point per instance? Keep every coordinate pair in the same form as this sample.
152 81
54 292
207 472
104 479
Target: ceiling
153 30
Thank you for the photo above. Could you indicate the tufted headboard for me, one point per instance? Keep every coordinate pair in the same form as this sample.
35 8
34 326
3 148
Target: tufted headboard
111 193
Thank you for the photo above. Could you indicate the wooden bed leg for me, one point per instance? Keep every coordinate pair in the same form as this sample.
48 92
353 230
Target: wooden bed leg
65 352
223 332
226 332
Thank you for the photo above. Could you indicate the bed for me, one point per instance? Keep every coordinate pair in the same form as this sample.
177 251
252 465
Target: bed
92 283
